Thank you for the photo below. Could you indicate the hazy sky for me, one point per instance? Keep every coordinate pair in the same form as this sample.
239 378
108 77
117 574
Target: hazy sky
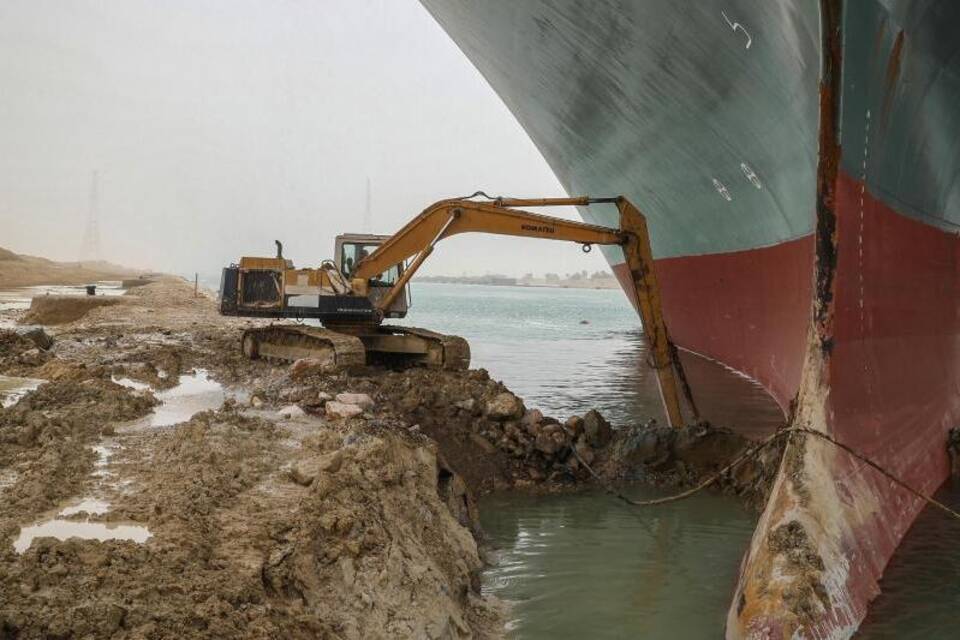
219 125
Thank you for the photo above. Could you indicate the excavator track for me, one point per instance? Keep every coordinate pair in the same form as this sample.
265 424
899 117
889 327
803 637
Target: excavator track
388 344
292 342
439 351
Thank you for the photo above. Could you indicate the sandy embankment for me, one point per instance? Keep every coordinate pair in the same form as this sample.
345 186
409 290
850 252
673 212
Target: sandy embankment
24 271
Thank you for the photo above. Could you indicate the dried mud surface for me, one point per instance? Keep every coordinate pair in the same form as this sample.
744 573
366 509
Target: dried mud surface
268 515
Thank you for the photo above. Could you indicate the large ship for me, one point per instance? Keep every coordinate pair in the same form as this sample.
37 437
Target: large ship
797 161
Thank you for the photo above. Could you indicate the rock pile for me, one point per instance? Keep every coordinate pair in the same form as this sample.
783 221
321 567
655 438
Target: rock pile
660 454
484 432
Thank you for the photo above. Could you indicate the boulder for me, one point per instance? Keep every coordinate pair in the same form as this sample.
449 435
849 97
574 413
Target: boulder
303 474
362 400
585 452
336 409
596 429
306 471
467 405
512 430
296 394
484 444
305 367
574 425
504 406
291 411
548 444
38 336
533 416
533 428
30 356
323 396
331 462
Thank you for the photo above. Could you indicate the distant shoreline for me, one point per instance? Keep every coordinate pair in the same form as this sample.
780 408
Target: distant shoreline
586 283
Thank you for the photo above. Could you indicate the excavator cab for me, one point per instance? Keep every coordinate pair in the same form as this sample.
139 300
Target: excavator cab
274 288
351 248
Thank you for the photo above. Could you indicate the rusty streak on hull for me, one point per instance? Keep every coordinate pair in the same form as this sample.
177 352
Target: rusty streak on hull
882 337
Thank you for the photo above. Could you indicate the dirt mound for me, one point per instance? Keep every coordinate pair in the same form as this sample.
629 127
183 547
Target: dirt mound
242 547
23 349
13 343
46 440
662 455
51 310
483 432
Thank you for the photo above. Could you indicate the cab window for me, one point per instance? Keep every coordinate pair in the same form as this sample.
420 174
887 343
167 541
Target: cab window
353 253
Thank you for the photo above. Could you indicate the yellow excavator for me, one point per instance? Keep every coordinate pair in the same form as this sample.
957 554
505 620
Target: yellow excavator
367 282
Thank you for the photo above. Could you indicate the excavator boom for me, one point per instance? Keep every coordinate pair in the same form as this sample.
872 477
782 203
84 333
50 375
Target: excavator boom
450 217
357 312
498 216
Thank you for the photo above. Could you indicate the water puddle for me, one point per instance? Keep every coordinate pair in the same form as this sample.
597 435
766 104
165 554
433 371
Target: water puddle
66 529
12 389
194 393
104 451
130 383
18 299
90 506
63 527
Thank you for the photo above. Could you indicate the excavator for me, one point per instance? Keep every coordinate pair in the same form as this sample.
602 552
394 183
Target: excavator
367 283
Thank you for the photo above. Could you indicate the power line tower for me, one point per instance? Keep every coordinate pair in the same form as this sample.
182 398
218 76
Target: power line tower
90 250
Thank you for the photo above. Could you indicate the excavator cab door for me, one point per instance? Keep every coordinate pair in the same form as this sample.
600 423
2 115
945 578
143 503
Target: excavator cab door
351 248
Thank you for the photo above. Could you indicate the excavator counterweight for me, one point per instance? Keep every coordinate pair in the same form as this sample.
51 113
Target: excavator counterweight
367 282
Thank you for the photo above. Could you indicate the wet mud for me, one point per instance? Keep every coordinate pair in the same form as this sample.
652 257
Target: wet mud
158 484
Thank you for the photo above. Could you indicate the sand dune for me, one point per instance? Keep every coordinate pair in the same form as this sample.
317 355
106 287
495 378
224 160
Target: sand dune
21 271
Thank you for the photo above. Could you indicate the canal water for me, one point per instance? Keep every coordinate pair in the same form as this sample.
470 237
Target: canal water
585 565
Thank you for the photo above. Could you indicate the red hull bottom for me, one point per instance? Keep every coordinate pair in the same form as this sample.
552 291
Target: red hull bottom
748 309
888 386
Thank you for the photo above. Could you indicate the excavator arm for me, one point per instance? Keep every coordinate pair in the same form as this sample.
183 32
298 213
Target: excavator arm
449 217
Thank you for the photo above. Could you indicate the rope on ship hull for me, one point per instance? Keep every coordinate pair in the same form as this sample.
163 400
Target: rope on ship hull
752 451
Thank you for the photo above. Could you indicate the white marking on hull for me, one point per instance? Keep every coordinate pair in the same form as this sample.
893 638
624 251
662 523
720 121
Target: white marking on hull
751 175
737 25
722 190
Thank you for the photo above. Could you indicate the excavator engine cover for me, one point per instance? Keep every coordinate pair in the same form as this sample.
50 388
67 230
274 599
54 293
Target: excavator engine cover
258 293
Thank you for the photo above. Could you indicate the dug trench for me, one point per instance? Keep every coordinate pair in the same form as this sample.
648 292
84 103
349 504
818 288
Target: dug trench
303 504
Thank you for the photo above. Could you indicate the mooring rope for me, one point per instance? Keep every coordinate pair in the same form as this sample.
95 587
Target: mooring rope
752 451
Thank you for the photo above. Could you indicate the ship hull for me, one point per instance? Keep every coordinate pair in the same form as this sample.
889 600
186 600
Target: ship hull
746 309
799 166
